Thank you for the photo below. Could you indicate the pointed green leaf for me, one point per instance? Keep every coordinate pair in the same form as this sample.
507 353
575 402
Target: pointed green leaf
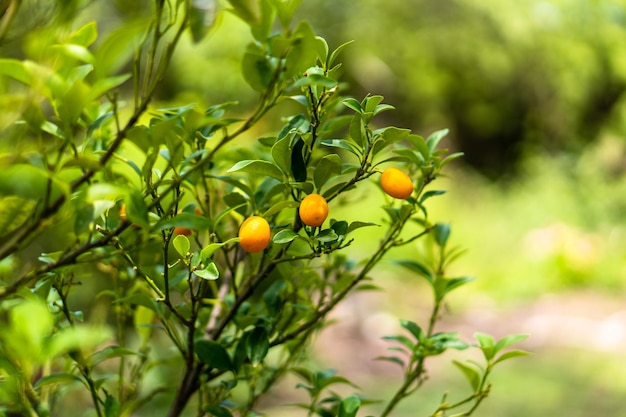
434 139
509 340
217 411
210 272
334 56
256 69
258 344
349 406
415 330
357 225
213 354
516 353
418 268
342 144
281 153
471 373
62 378
429 194
357 130
392 359
441 233
202 17
328 166
352 104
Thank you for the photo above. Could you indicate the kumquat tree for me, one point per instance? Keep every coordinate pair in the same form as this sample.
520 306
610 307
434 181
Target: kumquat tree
179 255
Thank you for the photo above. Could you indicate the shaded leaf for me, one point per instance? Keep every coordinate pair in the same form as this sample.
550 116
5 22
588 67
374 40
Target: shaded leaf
213 354
210 272
218 411
328 166
472 374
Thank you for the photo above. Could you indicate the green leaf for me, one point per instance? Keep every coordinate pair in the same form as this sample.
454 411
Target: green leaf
29 182
402 340
509 340
136 208
357 130
357 225
258 167
281 154
213 354
418 268
285 10
327 236
486 344
304 50
392 359
258 344
182 245
285 236
265 19
184 220
315 79
451 158
111 406
353 104
217 411
335 54
257 70
210 272
278 207
83 337
349 406
516 353
85 35
433 140
110 352
371 102
415 330
441 232
202 17
298 165
16 69
328 166
56 379
484 340
118 48
207 252
419 144
342 144
472 374
444 285
429 194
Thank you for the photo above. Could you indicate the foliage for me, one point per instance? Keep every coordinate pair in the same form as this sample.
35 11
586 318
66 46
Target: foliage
511 78
119 220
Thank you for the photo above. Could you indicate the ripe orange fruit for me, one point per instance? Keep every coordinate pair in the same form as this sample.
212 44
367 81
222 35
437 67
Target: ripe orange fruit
123 215
396 183
185 231
182 230
313 210
254 234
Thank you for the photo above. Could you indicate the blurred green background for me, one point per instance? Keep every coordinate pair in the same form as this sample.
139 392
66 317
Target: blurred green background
533 93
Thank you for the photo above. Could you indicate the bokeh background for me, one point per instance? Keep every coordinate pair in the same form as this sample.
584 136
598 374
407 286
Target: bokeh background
534 95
